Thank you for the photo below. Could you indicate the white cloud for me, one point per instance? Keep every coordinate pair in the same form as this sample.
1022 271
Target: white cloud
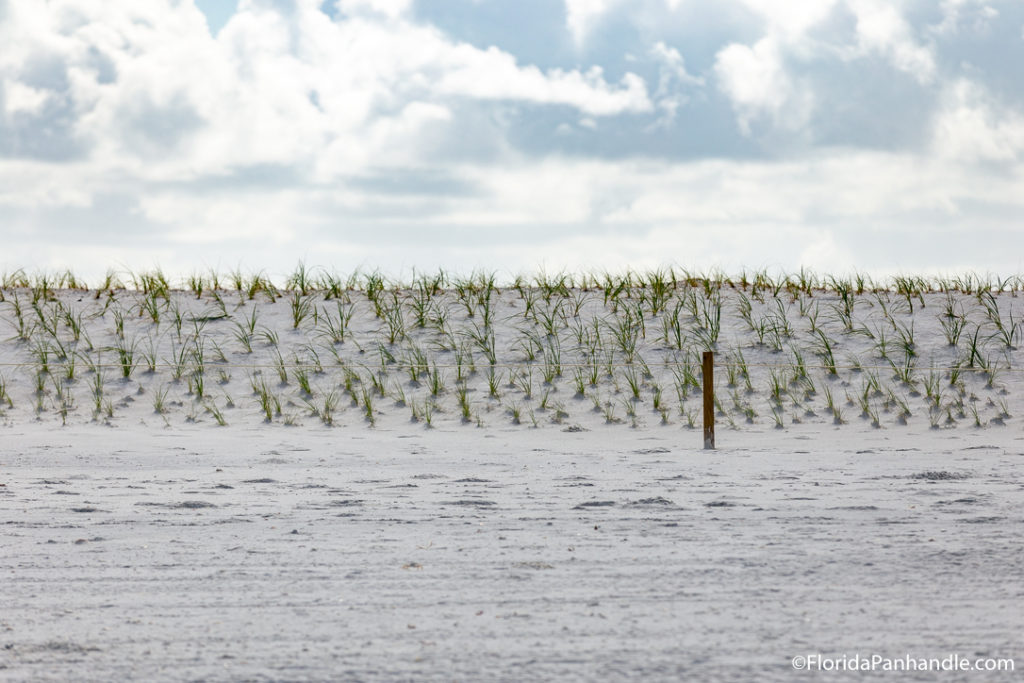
791 19
493 74
881 28
581 15
846 207
880 25
29 185
764 79
21 98
958 15
673 66
756 81
754 78
273 87
972 127
389 8
673 81
171 129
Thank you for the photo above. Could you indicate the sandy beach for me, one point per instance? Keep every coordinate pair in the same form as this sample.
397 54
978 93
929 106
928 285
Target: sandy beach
606 554
306 485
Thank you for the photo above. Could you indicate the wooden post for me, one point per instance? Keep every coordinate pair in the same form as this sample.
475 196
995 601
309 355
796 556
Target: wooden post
709 400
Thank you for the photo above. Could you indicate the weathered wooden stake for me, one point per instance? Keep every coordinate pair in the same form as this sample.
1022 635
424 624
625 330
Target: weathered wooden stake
709 400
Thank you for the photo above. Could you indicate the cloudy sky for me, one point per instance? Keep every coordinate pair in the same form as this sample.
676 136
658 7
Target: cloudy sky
878 135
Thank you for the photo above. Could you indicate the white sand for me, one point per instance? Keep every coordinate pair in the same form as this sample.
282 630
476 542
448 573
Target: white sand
505 555
151 547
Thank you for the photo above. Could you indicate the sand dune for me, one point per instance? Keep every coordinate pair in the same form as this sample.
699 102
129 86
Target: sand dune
552 534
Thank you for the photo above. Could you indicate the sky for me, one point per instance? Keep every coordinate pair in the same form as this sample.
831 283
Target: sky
878 136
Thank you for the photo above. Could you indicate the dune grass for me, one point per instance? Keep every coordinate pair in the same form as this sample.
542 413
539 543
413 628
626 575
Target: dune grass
467 349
